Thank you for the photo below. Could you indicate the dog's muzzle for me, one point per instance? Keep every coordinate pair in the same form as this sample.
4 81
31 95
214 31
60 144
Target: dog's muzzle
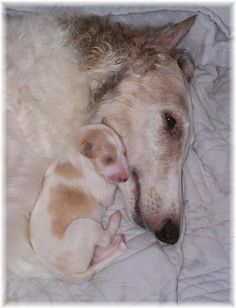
170 231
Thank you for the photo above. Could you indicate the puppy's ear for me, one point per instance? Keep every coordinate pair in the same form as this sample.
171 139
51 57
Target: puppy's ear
87 149
185 62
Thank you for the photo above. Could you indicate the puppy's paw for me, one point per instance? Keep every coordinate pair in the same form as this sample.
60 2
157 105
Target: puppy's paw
103 252
114 222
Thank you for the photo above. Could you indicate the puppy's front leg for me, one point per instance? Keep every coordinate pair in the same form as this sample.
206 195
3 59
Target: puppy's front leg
130 192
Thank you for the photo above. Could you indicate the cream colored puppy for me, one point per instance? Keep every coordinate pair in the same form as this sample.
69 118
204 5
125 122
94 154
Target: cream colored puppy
65 226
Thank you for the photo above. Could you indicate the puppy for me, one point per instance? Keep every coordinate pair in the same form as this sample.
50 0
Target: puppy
65 224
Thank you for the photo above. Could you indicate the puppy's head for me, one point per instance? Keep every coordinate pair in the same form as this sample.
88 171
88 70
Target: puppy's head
105 149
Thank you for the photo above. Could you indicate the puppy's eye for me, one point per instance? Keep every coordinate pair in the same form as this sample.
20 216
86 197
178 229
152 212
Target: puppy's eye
170 121
107 159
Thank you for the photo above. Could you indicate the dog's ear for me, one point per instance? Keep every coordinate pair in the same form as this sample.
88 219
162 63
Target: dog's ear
170 35
184 61
87 149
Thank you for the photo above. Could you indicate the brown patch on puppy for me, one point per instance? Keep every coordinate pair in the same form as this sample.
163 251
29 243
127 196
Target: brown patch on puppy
68 170
68 204
95 145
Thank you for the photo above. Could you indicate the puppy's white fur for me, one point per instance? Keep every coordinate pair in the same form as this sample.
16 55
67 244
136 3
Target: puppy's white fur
65 224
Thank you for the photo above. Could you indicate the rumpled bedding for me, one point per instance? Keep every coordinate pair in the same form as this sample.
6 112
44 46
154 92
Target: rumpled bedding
198 267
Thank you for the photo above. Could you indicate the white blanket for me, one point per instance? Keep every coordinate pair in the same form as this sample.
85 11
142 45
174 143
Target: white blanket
197 268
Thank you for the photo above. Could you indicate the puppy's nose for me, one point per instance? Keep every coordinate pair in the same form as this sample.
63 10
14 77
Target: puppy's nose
123 178
169 233
123 175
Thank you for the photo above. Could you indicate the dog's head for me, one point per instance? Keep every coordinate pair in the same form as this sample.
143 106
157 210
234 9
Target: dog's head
157 144
105 149
150 108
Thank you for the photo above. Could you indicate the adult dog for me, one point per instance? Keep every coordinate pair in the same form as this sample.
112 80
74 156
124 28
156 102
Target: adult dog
67 70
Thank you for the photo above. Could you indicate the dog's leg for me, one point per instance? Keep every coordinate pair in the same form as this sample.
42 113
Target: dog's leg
113 225
102 253
75 266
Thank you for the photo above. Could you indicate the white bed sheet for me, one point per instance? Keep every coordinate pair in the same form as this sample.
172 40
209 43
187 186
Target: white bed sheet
198 267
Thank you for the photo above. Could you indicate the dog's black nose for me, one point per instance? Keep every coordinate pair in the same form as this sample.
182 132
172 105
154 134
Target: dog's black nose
169 233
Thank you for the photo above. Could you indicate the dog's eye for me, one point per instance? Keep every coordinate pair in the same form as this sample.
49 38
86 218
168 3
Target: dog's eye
107 159
170 121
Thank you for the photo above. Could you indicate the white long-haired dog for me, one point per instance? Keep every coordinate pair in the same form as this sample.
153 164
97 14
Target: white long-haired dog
65 70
